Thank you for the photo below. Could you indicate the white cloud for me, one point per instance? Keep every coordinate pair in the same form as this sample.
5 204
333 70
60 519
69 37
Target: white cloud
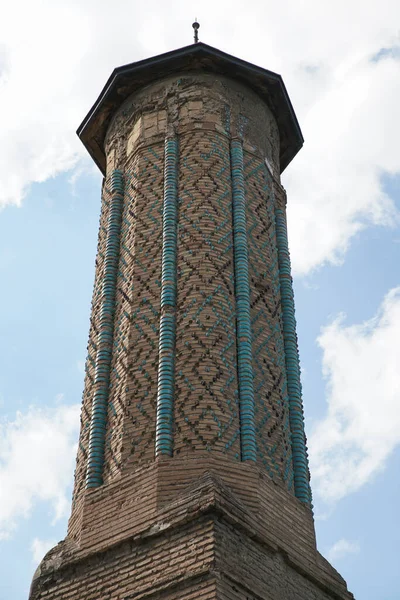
336 182
362 426
53 64
341 549
40 547
37 456
346 102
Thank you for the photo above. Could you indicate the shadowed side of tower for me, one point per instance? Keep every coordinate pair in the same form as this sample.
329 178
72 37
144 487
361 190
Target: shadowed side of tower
192 474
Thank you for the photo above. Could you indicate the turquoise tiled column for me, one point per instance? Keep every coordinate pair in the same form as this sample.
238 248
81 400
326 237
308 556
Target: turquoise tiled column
98 422
242 294
166 365
296 418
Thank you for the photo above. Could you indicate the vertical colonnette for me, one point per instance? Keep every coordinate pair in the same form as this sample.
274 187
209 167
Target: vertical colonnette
271 410
242 293
166 365
89 386
98 423
299 450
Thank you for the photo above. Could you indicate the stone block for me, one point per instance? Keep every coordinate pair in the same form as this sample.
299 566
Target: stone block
134 136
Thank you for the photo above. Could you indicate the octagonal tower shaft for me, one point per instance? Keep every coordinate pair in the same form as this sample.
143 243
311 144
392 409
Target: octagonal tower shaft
192 348
192 474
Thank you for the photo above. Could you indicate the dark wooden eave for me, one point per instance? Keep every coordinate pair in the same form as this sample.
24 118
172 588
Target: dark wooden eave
196 58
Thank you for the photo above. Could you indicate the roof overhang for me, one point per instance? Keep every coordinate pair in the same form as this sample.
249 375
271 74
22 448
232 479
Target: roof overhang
198 58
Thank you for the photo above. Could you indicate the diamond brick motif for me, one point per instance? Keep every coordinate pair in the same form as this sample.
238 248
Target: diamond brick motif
133 390
270 386
206 403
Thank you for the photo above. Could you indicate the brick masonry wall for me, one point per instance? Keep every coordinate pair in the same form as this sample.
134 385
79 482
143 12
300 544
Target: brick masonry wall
206 400
133 389
204 113
270 385
204 542
122 508
249 566
199 523
81 459
135 570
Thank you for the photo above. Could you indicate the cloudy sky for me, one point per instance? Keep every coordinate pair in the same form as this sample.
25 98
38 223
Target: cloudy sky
340 62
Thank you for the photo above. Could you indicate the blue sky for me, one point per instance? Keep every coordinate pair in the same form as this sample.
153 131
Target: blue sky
340 62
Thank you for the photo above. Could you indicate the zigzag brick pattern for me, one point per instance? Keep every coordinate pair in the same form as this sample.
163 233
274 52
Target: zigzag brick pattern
133 391
206 399
270 384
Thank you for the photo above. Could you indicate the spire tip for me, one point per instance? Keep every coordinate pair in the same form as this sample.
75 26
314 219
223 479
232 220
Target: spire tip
196 27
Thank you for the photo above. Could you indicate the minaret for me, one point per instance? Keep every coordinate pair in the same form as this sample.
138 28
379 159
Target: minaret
192 476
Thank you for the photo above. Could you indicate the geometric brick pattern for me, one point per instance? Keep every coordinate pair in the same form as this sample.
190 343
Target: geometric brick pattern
206 403
192 311
133 380
270 384
206 407
206 411
133 389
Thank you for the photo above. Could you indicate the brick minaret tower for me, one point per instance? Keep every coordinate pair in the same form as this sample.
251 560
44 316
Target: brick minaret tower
192 477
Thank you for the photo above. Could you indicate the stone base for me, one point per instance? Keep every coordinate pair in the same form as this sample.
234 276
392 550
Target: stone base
202 542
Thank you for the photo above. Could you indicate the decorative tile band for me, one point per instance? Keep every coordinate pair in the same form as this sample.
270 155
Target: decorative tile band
296 418
94 473
242 294
166 365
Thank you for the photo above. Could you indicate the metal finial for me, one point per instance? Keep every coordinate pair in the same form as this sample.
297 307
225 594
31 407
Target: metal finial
196 27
